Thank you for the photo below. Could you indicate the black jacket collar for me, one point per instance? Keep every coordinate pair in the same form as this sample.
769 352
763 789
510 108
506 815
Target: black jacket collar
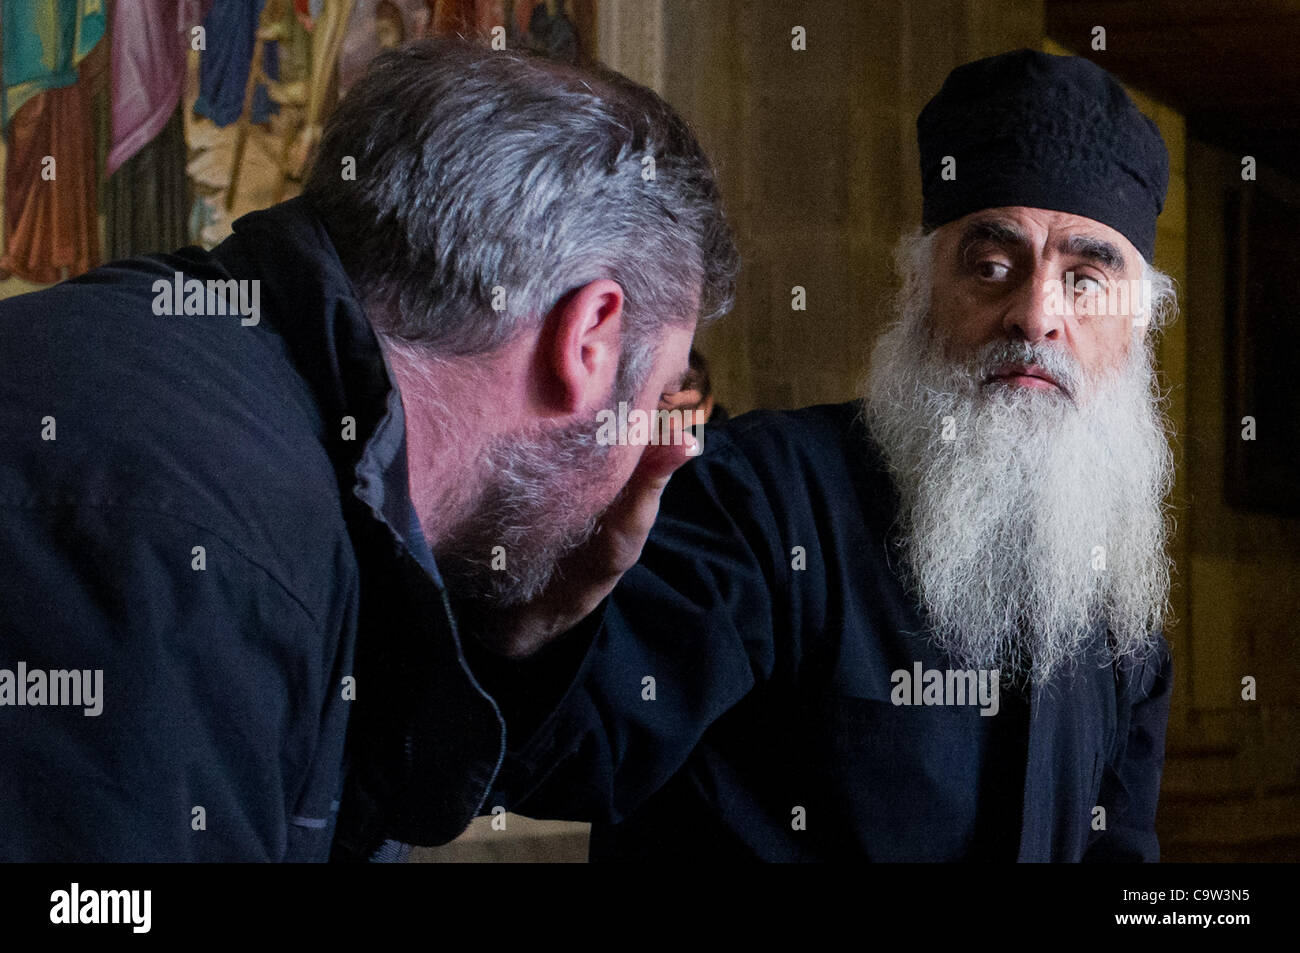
318 311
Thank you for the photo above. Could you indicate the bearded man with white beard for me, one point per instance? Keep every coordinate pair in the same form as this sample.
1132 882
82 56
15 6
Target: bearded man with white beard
926 624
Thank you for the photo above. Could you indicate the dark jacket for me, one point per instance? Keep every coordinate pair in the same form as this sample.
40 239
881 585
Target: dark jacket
226 731
771 732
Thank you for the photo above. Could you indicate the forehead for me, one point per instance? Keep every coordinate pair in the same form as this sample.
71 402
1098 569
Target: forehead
1043 227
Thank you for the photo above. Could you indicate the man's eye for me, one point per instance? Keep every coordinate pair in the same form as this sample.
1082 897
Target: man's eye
1088 284
992 270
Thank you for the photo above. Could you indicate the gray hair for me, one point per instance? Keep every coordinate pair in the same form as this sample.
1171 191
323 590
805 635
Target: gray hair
482 174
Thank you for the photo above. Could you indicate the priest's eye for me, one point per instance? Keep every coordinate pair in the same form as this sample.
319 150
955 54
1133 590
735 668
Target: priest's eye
992 270
1088 284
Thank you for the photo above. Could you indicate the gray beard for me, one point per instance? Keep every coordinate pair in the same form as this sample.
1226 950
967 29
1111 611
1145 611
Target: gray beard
1000 525
540 501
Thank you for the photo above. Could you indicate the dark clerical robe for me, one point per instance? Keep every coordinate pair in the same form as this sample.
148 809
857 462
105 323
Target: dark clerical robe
739 697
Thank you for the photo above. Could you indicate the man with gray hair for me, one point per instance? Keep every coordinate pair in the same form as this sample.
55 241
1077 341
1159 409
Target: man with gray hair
242 489
925 625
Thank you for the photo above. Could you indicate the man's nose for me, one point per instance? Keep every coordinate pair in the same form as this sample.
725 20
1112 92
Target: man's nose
1034 314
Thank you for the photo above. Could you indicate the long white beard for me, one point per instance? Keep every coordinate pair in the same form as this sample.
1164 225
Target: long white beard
1005 527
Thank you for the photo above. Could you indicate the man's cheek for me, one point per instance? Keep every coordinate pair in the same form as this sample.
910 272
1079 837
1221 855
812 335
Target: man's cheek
625 459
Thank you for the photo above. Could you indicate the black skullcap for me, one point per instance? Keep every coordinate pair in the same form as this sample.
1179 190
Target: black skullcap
1050 132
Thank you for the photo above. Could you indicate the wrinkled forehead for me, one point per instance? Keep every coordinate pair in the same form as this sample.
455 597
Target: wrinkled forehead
1043 233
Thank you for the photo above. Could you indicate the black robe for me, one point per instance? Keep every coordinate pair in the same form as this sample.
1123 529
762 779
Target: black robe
769 732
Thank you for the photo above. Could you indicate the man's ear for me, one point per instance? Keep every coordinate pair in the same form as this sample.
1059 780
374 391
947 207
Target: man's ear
579 348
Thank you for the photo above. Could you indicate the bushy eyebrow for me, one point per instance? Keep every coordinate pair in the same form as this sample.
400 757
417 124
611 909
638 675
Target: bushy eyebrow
999 232
1007 235
1098 250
